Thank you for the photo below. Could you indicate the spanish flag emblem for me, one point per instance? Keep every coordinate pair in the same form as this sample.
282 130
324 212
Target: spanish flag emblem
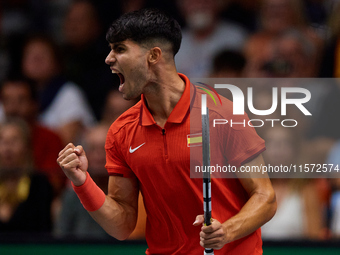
194 140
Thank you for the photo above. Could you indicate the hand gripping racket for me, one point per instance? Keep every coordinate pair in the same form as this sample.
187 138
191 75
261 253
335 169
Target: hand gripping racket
206 167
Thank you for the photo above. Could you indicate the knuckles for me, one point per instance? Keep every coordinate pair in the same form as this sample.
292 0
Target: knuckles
68 160
70 145
213 239
216 245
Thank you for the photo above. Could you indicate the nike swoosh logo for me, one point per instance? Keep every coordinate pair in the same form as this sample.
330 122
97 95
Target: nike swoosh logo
134 149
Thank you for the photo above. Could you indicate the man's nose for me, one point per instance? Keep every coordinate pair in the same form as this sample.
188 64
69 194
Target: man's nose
110 58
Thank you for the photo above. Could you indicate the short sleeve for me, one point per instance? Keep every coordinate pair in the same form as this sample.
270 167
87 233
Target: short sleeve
115 160
241 143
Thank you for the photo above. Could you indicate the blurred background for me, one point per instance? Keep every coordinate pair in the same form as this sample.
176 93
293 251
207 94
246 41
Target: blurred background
55 88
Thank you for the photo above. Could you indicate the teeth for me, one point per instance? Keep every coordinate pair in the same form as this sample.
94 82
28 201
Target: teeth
114 71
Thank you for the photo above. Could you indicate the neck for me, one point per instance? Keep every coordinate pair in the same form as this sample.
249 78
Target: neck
163 95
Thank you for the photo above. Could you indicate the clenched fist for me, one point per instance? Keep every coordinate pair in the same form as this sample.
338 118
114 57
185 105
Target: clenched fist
74 163
212 236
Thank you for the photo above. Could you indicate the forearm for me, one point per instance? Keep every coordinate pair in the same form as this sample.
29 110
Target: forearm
259 209
116 218
116 212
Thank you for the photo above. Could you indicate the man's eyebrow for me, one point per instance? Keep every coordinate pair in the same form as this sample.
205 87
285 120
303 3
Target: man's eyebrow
115 45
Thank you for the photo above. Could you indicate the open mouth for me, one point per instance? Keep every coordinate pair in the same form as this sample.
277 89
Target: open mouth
121 78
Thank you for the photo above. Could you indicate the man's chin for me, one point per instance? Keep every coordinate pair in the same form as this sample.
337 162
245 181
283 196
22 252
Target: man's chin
127 96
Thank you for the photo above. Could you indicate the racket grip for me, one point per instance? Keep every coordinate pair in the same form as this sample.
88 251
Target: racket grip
208 252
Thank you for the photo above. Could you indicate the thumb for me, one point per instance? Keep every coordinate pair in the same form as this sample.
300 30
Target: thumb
199 220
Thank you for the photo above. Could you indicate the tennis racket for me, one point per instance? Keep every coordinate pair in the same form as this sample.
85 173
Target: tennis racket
206 166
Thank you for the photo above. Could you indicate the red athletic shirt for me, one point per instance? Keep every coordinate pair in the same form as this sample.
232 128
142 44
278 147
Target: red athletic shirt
160 159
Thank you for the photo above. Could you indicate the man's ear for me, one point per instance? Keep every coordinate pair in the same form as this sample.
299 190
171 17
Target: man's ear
154 55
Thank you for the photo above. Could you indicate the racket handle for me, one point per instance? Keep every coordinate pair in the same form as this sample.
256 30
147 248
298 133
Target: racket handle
208 252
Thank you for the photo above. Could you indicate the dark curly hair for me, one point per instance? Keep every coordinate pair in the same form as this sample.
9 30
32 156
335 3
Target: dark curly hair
144 27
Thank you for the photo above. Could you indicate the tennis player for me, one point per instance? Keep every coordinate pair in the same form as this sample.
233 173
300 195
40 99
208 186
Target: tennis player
147 149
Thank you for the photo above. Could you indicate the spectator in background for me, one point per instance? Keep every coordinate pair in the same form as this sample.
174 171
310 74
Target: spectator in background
110 10
84 50
334 158
330 65
63 106
291 54
277 16
295 56
242 12
25 195
300 210
115 105
74 220
228 64
323 131
82 25
19 99
19 19
20 16
323 136
278 19
258 50
205 34
287 55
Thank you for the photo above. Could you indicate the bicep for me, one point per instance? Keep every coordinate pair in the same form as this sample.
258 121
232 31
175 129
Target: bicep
256 182
259 208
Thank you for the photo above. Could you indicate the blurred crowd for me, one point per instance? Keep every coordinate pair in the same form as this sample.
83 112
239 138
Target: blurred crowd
55 88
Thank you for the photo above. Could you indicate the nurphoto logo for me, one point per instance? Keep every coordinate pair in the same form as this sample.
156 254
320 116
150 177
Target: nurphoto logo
238 96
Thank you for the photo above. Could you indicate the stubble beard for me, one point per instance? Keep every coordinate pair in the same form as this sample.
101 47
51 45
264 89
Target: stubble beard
138 80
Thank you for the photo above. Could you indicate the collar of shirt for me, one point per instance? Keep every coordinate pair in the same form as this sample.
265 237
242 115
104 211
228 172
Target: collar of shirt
178 114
